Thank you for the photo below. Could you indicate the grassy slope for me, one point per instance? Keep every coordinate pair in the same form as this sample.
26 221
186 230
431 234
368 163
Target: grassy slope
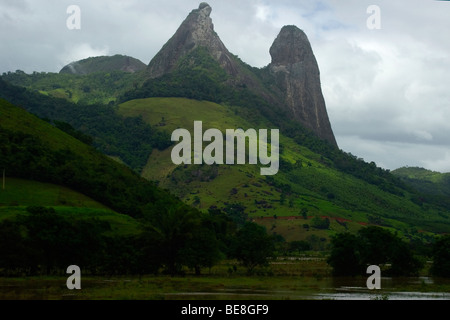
19 193
16 119
33 193
354 199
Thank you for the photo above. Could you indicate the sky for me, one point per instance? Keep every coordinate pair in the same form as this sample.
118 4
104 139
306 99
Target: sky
385 70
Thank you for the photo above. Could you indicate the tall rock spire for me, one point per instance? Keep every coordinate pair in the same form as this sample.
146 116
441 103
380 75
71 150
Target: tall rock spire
297 75
197 30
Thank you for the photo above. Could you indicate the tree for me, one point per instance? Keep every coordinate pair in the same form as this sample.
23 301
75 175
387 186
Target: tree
282 198
168 232
58 242
298 246
196 201
236 212
345 255
403 261
202 249
224 228
441 257
319 223
50 236
253 246
378 245
304 213
15 254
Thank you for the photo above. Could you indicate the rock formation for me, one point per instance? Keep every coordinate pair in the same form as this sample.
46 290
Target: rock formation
297 75
293 72
197 30
104 64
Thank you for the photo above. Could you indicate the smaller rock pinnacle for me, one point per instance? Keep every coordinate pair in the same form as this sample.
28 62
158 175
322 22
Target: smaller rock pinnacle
205 8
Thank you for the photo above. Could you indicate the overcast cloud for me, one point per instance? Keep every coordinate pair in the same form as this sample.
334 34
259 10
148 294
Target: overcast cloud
387 90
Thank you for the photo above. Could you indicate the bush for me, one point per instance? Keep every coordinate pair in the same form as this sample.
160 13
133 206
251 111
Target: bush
298 246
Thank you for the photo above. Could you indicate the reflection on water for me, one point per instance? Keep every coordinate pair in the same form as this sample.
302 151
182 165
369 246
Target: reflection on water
384 296
342 288
355 289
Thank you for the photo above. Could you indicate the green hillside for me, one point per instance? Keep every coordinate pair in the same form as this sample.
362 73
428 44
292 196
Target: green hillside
58 192
20 194
33 193
89 81
129 140
63 202
97 87
307 181
33 149
427 181
316 182
32 125
314 177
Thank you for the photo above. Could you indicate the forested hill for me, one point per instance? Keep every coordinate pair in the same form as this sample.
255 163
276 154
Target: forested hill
129 140
310 168
92 88
153 229
35 150
427 181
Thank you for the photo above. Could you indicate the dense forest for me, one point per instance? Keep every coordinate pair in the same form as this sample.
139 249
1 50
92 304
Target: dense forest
28 157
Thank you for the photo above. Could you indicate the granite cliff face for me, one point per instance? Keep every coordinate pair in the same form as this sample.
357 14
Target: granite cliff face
293 75
296 73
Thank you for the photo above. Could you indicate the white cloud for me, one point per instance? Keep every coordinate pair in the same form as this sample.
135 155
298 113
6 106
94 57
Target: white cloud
423 135
393 155
262 12
387 90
